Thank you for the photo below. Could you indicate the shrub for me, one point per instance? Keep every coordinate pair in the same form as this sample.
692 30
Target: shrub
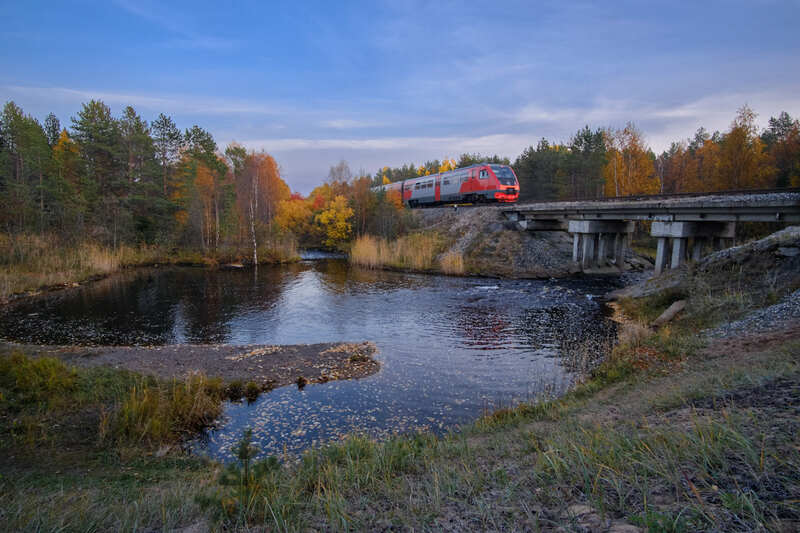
235 390
251 391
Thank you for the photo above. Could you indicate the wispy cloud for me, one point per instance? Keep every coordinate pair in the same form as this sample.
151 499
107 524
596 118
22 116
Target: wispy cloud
167 104
441 146
177 25
350 124
662 123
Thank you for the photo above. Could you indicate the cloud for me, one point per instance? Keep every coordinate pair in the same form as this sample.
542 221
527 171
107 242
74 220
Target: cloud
662 124
349 124
452 145
168 104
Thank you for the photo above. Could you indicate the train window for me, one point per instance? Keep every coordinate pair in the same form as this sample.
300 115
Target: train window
446 182
416 186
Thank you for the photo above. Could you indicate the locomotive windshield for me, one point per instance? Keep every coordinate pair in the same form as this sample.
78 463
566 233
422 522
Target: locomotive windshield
504 175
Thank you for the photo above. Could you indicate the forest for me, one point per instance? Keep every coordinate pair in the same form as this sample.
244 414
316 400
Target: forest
119 182
608 162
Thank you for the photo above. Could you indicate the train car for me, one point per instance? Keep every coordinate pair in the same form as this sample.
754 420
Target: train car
473 184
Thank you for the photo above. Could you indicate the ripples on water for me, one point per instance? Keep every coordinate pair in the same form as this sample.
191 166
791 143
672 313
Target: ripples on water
449 347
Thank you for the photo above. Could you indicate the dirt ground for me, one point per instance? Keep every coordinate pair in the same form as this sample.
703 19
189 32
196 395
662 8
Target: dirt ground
269 366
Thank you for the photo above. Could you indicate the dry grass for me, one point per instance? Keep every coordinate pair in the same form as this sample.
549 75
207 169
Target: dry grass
416 251
452 263
30 262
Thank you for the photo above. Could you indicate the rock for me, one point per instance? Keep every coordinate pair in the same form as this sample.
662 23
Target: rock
669 314
787 251
164 450
578 510
622 527
197 527
585 516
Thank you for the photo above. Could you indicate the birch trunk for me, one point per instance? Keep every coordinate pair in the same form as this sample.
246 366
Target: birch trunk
253 210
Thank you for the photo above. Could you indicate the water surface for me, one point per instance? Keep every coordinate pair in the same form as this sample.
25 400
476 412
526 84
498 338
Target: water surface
450 348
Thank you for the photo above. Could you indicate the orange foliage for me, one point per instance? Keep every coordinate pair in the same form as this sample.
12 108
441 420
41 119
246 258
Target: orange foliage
630 167
743 162
294 215
395 199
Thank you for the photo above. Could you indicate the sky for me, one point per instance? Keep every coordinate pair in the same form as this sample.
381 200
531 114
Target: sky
386 83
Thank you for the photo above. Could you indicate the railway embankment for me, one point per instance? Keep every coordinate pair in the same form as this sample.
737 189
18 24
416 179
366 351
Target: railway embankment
476 240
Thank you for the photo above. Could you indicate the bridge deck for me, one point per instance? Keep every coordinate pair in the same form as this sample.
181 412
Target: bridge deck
781 206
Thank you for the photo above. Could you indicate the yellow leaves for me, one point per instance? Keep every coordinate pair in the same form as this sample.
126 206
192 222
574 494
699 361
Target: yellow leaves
66 154
204 182
386 181
334 221
294 215
743 162
395 199
630 168
447 165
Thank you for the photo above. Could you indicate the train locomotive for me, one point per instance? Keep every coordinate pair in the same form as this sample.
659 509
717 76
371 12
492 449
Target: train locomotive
473 184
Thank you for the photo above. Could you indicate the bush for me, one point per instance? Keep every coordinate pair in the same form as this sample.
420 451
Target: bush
251 391
235 390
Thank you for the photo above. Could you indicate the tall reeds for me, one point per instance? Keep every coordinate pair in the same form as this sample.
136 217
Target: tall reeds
417 251
29 262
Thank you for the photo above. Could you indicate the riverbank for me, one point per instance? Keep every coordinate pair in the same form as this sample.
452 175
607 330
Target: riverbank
676 430
34 264
268 366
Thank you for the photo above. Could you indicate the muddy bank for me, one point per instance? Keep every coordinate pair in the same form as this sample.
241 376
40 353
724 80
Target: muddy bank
268 365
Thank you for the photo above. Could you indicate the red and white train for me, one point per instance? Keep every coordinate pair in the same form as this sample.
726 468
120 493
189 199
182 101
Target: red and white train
477 183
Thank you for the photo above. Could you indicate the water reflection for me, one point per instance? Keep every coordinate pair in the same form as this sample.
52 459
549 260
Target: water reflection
449 347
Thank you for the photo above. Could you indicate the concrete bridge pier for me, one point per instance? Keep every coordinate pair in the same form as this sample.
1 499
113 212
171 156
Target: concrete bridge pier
679 233
594 240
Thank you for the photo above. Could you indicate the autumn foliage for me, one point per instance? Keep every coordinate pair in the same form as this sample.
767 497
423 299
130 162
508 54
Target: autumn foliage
123 181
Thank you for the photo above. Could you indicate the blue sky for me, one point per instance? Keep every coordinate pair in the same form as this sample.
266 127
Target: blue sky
384 83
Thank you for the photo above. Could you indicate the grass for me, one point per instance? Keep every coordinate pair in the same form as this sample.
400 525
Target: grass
452 263
87 448
107 405
416 251
31 262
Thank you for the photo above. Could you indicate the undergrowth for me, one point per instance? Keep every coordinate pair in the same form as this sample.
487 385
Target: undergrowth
112 406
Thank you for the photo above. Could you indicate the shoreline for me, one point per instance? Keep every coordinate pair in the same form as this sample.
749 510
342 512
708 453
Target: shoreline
269 366
80 281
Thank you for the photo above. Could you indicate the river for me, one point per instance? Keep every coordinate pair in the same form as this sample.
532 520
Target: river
450 347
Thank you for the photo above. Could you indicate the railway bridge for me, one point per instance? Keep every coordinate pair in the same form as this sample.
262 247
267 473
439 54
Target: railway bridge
685 225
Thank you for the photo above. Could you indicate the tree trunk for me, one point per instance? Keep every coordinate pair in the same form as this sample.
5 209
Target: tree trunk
41 198
253 210
216 221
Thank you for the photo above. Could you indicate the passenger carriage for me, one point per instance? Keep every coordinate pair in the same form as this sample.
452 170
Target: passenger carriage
473 184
